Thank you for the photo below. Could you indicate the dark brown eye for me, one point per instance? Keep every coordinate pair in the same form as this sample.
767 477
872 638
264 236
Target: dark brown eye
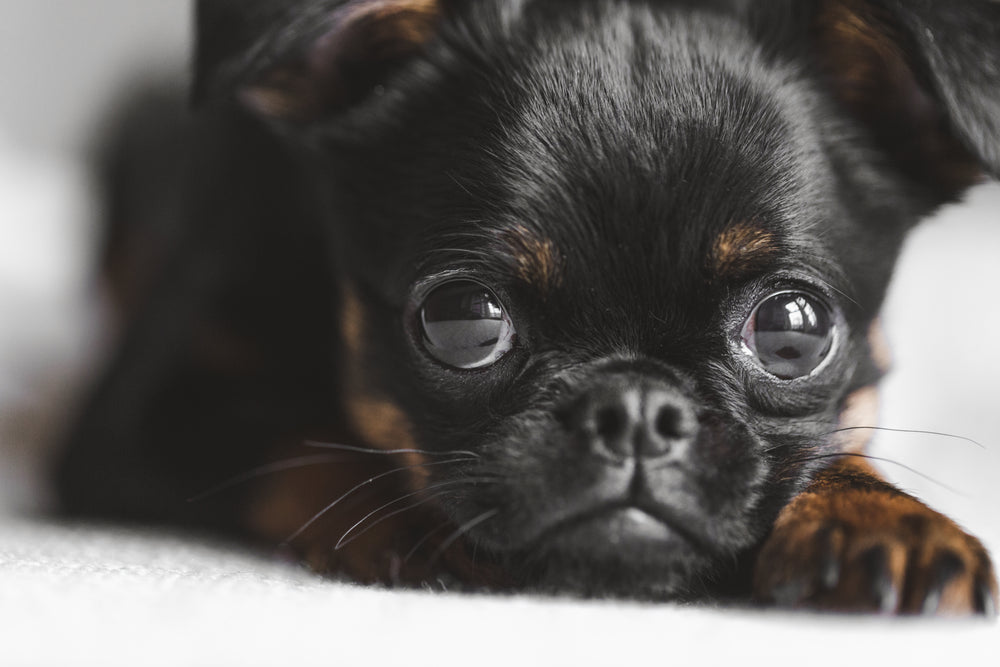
465 326
789 334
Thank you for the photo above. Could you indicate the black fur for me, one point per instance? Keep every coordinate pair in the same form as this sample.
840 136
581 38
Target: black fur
629 135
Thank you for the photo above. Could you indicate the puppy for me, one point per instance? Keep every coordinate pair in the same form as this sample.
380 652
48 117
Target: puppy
567 296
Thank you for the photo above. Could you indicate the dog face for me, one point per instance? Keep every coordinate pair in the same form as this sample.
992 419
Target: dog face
609 272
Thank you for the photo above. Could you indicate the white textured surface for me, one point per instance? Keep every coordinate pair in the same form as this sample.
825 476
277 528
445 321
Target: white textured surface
93 596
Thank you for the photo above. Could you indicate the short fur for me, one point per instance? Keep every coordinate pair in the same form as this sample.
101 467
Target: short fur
629 178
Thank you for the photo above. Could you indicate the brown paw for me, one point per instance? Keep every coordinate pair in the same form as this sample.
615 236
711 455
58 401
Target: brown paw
869 551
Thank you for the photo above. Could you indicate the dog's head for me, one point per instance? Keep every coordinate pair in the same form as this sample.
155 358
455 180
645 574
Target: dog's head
619 262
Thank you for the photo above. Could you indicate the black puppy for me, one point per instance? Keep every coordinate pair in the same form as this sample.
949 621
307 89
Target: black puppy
581 295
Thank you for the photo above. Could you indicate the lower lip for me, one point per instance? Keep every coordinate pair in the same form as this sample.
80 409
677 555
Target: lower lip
631 523
617 530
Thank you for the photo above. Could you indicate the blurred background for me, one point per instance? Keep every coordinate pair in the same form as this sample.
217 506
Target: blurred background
65 62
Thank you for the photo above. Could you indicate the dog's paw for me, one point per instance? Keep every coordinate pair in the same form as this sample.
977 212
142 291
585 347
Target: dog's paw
867 551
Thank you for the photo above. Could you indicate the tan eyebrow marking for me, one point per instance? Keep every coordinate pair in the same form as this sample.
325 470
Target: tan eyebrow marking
538 262
742 248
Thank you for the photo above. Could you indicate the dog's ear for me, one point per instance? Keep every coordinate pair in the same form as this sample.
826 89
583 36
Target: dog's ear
922 75
925 76
298 60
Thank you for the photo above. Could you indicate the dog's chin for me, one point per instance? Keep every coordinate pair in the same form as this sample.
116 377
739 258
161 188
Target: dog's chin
621 552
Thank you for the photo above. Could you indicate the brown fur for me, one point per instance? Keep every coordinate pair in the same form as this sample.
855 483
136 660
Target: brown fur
740 249
538 262
395 543
860 411
878 347
379 423
851 523
292 498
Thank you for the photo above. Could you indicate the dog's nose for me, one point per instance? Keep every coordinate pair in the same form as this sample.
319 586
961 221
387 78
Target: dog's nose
624 416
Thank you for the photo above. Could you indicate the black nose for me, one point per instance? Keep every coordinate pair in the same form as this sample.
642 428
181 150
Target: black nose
624 416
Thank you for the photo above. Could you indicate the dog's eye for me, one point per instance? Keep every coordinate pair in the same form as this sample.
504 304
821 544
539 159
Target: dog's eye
465 326
789 334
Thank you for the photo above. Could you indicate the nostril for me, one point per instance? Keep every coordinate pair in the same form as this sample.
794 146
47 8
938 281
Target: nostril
669 422
610 422
626 417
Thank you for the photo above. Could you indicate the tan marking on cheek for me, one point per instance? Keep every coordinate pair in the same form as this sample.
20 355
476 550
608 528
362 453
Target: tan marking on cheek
538 262
860 412
879 347
376 419
742 248
352 322
286 501
384 426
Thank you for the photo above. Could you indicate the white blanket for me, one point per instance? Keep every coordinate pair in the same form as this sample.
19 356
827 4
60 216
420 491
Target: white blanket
72 595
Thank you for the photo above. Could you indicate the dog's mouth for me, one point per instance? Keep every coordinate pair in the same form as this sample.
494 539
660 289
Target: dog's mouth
623 531
614 549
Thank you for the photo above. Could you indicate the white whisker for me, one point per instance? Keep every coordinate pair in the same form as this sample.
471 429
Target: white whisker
400 499
385 452
271 468
363 484
462 530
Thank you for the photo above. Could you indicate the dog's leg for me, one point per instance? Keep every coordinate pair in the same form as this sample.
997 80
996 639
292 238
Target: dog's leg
852 542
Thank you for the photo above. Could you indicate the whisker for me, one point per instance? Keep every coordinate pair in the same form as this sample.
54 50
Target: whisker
270 468
462 530
475 236
462 251
304 527
385 452
457 181
841 292
847 429
910 431
423 540
400 499
423 501
869 457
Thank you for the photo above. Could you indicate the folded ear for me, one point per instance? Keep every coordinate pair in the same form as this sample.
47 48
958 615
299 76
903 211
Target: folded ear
924 76
298 60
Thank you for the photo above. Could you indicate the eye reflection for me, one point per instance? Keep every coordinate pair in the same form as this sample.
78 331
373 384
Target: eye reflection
789 334
465 326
